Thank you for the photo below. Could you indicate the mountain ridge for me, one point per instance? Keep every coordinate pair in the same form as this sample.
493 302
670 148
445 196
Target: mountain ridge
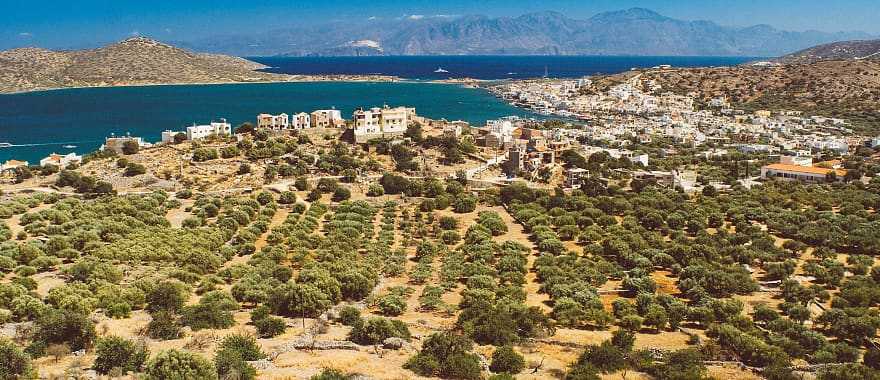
634 31
842 50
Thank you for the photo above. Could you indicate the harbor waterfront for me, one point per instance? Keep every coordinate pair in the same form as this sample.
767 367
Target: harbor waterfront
40 123
77 120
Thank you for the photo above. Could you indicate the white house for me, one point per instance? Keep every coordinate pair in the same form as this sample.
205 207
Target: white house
302 120
168 135
61 161
218 128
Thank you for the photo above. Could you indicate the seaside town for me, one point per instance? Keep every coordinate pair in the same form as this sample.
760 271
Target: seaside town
664 138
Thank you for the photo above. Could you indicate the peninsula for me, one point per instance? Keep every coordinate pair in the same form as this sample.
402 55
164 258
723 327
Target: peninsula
135 61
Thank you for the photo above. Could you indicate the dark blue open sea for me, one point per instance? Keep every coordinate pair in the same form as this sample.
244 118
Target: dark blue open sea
483 67
42 122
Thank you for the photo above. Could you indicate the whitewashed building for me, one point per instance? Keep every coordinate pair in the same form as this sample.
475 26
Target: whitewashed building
61 161
302 120
217 128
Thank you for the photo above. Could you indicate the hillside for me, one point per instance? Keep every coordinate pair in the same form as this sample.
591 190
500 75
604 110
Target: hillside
635 31
135 61
848 89
858 50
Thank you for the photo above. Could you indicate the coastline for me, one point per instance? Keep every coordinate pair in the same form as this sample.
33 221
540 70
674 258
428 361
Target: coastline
305 79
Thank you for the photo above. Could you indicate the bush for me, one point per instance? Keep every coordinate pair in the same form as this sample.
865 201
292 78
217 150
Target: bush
179 365
270 327
331 374
133 169
163 326
341 194
232 356
214 311
465 204
117 352
350 316
62 326
505 359
166 296
446 355
204 154
375 190
287 198
376 330
392 304
14 363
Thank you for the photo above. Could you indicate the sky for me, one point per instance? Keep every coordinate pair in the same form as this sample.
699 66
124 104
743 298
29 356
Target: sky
69 24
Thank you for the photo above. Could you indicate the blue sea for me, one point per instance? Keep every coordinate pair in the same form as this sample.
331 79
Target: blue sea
40 123
483 67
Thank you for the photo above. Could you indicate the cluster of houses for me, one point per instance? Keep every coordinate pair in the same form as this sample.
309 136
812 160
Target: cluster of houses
331 118
638 111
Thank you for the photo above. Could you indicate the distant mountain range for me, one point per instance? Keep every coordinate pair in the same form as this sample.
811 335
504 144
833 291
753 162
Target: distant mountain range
635 31
135 61
844 50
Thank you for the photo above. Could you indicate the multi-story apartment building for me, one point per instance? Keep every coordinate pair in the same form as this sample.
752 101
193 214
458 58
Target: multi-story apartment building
274 122
381 122
327 118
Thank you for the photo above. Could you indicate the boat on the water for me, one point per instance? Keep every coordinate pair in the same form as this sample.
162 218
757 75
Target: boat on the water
68 146
5 145
440 70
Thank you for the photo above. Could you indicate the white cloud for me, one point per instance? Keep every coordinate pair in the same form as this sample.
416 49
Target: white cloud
135 33
25 34
416 17
169 30
371 18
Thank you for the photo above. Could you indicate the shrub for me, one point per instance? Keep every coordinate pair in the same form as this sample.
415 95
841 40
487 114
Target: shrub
446 355
350 316
166 296
505 359
341 194
375 190
179 365
14 363
331 374
376 330
287 197
163 326
465 204
392 304
204 154
133 169
214 311
117 352
232 356
62 326
270 327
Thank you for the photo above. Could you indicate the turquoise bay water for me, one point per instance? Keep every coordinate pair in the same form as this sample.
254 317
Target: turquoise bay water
83 117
